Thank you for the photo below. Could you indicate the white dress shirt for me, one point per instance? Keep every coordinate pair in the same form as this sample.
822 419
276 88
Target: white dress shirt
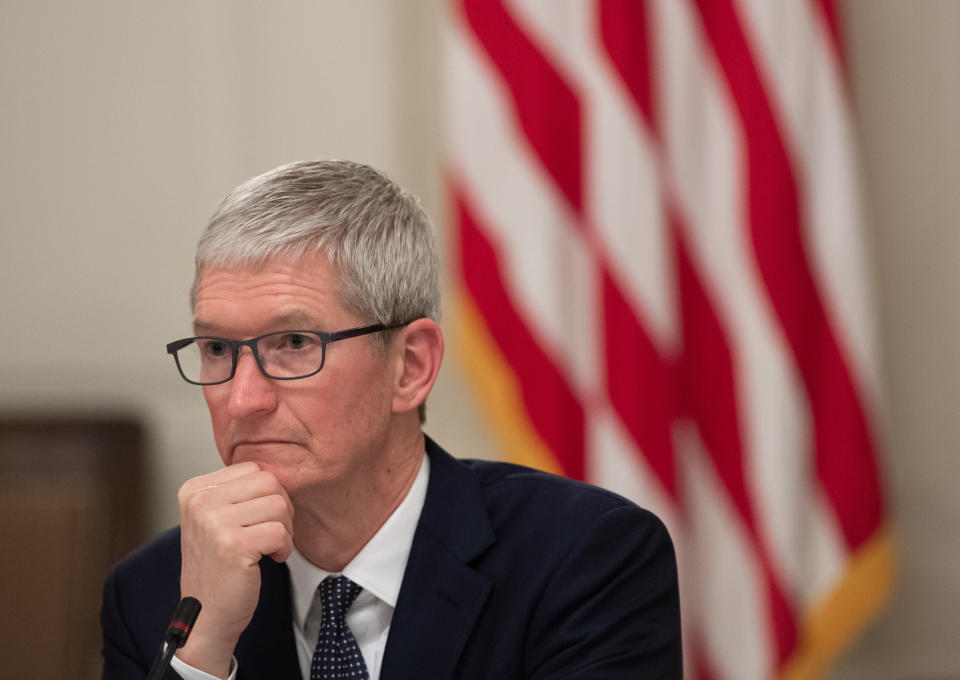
378 569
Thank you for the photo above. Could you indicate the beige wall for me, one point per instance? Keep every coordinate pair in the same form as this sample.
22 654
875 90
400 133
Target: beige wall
123 124
905 63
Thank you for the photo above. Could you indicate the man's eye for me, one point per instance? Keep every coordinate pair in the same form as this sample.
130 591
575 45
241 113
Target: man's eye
215 348
296 341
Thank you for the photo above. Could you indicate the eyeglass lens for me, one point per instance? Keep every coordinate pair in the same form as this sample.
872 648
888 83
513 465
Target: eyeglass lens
282 355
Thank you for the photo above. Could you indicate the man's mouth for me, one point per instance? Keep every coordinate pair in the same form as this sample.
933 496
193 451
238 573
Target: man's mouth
262 442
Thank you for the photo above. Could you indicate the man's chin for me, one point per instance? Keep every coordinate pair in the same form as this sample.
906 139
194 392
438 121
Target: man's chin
293 465
284 470
271 456
264 451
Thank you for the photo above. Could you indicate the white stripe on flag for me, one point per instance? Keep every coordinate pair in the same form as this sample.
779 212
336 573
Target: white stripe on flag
736 632
774 417
623 196
548 266
805 82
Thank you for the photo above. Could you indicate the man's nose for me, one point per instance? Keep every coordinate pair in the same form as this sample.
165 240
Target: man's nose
251 392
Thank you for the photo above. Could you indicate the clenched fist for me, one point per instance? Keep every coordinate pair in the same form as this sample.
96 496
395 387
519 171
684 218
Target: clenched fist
229 520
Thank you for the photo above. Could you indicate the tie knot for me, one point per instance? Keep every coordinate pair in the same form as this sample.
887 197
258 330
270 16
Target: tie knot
337 593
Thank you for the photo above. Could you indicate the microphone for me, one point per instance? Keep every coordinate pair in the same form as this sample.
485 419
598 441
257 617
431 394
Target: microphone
176 636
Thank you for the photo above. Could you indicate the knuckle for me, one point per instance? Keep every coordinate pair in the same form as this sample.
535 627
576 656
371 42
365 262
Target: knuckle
266 479
191 503
276 535
212 524
185 491
278 505
226 542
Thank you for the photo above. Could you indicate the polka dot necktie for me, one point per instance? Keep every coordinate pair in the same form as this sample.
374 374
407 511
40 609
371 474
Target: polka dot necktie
337 656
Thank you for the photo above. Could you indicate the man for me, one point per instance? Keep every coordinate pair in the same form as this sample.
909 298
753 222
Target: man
338 540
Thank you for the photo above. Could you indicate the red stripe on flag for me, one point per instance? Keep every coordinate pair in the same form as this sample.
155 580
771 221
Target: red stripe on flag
553 409
549 115
702 670
639 384
640 381
708 394
548 111
707 385
844 451
623 28
831 18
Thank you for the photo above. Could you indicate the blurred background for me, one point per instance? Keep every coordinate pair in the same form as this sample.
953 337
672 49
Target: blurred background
123 125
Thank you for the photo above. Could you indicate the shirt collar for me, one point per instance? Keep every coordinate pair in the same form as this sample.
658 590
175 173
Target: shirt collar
378 567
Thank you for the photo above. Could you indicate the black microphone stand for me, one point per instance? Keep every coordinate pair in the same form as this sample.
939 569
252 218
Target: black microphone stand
176 636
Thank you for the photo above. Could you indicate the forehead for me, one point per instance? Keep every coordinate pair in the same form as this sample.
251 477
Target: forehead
252 300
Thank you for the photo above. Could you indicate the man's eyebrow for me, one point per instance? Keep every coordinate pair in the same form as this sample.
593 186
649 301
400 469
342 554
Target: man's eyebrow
296 319
293 320
203 327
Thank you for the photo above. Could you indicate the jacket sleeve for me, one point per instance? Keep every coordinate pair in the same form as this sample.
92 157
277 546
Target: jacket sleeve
124 658
612 608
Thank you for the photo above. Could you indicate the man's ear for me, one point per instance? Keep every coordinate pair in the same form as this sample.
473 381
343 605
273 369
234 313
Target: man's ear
421 350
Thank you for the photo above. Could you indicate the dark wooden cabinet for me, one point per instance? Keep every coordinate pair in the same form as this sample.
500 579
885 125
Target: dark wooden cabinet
71 504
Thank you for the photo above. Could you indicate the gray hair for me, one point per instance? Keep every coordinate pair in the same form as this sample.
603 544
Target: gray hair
380 242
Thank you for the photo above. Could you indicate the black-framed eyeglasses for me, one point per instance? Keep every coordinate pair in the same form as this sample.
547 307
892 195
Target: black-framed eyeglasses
281 355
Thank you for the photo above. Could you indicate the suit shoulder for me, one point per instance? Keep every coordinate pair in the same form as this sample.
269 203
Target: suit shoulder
153 560
517 488
512 477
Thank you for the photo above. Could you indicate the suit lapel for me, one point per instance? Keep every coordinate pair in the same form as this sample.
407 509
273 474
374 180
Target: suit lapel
441 596
266 648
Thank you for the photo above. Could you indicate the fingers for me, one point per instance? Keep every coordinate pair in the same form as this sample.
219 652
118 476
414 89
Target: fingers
259 510
216 507
238 549
273 538
239 483
229 520
214 479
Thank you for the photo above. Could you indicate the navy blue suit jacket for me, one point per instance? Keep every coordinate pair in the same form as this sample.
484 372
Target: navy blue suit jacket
513 573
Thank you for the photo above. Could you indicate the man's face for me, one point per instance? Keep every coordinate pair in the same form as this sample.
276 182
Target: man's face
314 431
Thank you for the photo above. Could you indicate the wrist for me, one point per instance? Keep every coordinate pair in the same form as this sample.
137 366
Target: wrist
188 672
211 654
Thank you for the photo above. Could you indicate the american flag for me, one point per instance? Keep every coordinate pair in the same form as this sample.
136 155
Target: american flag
664 292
